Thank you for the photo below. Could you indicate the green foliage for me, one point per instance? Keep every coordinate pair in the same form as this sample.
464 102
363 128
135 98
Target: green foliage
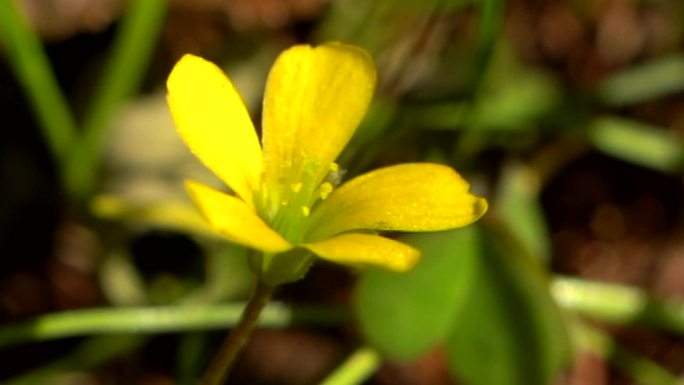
509 332
406 314
490 304
78 152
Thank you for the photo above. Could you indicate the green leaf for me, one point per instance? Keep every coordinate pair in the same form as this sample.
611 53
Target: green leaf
509 332
639 143
403 315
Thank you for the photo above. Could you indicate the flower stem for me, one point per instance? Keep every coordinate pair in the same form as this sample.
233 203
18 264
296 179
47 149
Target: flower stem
237 339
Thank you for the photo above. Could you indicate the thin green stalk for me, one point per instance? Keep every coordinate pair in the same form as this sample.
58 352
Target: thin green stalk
32 67
231 348
131 53
356 369
157 320
491 16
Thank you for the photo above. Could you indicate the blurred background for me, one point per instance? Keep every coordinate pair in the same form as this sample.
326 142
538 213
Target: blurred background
567 115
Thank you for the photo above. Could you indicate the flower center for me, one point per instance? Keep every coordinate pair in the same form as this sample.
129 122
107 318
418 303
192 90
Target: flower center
287 202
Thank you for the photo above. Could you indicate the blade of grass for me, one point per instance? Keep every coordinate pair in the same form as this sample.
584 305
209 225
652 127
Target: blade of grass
32 67
490 19
491 16
644 82
157 320
356 369
131 53
638 143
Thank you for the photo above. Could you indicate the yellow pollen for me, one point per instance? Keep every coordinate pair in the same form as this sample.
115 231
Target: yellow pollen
334 167
305 211
325 189
296 187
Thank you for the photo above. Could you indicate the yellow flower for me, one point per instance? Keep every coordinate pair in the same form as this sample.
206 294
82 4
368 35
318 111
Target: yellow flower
286 203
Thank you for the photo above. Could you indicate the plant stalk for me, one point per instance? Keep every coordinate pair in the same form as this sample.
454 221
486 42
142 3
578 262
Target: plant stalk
233 345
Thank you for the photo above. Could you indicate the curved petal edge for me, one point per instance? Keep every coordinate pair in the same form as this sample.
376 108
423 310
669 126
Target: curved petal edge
234 220
213 121
405 197
358 249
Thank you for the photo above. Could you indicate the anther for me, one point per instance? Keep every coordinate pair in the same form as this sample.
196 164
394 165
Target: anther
325 190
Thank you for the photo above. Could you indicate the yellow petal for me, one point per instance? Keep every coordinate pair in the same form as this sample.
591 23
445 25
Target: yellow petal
405 197
213 121
366 250
236 221
315 98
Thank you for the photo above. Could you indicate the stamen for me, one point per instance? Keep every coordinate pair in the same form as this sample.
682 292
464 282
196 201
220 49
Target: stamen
325 190
335 174
305 211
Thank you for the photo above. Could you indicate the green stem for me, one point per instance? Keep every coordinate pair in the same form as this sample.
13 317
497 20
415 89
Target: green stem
237 339
32 67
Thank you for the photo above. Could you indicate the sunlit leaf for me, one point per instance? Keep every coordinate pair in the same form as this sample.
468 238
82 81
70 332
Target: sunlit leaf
638 143
660 77
406 314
